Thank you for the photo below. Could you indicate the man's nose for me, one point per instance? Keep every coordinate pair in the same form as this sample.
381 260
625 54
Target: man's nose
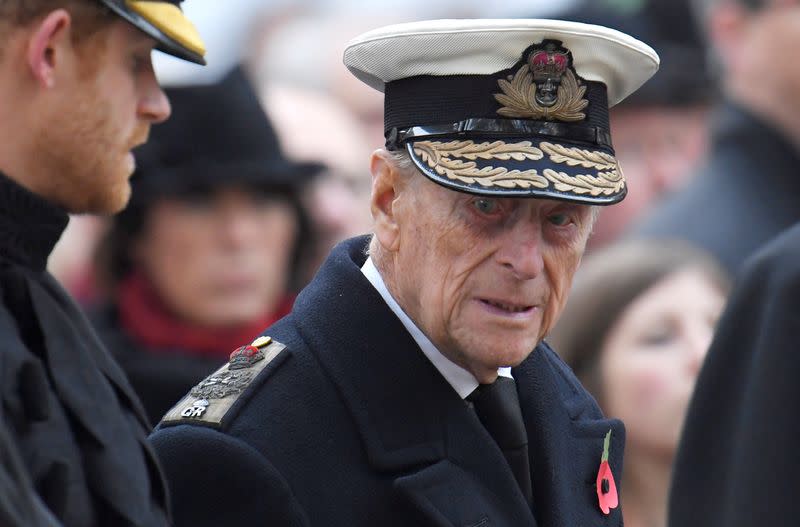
153 104
241 227
521 252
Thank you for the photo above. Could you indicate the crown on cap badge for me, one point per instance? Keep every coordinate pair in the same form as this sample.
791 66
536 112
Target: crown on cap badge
545 87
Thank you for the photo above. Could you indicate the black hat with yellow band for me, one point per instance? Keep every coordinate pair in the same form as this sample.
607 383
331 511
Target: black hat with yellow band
515 108
165 22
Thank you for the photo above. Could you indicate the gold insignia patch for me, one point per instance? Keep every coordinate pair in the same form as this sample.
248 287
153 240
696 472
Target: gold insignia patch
209 401
545 87
518 100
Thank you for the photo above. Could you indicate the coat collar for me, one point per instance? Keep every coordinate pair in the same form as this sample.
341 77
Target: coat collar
30 226
416 427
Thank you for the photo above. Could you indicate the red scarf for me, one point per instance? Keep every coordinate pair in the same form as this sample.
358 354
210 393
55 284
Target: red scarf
145 318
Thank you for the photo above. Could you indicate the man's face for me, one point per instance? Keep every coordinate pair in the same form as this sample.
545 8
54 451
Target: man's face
755 47
772 32
485 278
106 100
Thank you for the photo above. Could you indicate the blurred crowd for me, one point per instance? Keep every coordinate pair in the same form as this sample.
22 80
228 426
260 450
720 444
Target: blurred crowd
262 169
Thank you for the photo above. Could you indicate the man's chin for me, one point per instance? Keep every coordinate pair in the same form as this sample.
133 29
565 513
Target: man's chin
499 353
108 203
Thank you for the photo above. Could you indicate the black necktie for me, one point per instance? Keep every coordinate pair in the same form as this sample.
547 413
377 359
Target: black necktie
497 406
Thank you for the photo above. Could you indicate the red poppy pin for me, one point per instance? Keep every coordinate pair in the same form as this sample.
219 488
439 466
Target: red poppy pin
606 488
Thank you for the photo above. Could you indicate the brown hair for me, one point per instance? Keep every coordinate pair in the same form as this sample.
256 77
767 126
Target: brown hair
607 282
88 16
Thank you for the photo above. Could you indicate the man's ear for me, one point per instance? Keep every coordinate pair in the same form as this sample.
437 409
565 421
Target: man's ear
386 186
49 40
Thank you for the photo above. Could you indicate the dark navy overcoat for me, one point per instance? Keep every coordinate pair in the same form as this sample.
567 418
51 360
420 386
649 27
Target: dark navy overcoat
351 425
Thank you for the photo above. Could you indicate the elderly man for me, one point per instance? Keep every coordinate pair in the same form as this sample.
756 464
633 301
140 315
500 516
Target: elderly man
410 384
78 92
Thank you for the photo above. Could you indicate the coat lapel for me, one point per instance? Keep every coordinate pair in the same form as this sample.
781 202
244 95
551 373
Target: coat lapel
565 439
415 427
93 390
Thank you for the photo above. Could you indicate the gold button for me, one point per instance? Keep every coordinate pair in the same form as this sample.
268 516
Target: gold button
262 342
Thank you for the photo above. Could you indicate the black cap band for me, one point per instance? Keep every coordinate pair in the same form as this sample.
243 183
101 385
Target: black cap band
495 128
463 103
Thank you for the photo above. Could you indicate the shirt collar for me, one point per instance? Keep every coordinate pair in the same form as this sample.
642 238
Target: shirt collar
462 381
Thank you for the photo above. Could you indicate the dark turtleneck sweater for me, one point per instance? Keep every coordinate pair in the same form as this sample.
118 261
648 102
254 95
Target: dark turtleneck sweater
68 408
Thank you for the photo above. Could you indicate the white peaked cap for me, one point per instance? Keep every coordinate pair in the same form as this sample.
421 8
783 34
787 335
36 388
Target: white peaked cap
482 47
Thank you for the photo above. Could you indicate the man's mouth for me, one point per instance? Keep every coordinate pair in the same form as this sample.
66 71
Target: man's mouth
507 307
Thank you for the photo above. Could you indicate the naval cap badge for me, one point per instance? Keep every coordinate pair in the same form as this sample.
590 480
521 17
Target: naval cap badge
548 64
544 87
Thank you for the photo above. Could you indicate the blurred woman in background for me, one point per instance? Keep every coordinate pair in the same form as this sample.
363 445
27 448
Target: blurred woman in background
635 331
203 259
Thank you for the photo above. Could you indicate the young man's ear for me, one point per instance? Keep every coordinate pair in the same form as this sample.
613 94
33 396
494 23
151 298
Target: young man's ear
49 40
386 184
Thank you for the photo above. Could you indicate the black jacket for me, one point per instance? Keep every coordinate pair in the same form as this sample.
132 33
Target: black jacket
20 506
748 192
351 425
68 407
738 461
159 377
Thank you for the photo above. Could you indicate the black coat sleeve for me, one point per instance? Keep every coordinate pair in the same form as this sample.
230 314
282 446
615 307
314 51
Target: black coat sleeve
215 479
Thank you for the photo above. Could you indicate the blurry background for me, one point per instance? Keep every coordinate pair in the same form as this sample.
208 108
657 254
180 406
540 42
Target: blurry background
709 153
292 52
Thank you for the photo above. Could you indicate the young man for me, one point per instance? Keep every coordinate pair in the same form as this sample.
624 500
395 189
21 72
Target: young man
386 397
78 93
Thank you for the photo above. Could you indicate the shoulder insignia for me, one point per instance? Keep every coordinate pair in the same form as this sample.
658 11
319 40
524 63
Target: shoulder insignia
209 401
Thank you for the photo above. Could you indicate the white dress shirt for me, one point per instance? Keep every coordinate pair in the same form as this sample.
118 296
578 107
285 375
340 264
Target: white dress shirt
462 381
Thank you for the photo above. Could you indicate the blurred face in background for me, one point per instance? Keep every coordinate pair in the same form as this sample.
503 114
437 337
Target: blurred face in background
652 355
746 40
219 258
776 27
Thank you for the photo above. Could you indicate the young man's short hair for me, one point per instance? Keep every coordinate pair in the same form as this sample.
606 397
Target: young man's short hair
88 16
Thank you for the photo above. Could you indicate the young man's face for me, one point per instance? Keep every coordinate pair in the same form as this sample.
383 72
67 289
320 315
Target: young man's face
106 99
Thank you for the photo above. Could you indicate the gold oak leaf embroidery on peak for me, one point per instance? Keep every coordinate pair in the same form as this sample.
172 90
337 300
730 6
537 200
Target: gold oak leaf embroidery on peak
605 183
519 98
609 179
448 159
577 156
440 157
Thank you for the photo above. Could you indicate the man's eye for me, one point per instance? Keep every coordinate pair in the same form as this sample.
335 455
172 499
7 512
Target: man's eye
486 205
559 220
